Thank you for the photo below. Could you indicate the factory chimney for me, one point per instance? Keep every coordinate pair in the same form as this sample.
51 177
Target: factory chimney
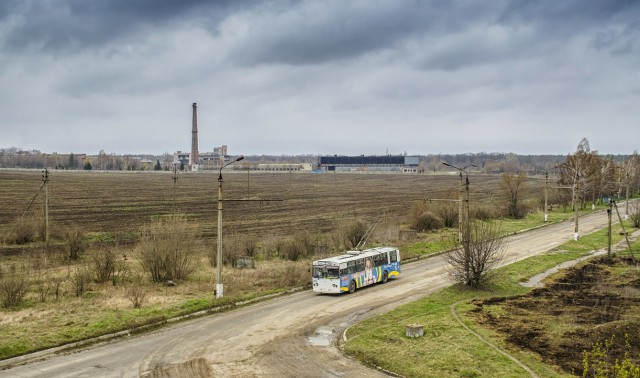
194 139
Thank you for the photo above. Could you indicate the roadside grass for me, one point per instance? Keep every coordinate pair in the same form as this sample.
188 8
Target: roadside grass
447 349
39 325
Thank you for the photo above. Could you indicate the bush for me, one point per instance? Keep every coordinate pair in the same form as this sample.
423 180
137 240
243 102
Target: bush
427 221
422 219
25 230
104 265
354 234
168 248
13 287
80 280
448 212
136 293
483 212
75 243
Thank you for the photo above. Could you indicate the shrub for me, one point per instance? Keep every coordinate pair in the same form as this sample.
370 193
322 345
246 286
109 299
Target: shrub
104 265
422 219
447 212
75 243
483 212
136 293
354 234
25 230
427 221
80 280
13 287
167 248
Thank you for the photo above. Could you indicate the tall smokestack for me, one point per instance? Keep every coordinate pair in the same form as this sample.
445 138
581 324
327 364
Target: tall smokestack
194 139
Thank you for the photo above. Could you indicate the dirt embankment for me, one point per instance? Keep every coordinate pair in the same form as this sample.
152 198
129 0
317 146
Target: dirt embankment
589 303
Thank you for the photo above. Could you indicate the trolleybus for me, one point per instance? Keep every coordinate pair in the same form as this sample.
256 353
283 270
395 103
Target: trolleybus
355 269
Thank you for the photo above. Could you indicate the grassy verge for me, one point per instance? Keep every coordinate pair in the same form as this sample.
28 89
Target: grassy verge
447 349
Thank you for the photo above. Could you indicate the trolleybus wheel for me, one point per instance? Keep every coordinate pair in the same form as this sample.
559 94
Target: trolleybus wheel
352 287
385 277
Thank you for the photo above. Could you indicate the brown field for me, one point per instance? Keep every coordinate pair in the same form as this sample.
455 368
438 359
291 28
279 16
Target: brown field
119 203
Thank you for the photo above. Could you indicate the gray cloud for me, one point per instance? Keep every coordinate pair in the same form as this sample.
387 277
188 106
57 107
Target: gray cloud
320 76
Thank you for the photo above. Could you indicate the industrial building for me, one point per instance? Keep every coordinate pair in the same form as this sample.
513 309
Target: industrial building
195 160
362 163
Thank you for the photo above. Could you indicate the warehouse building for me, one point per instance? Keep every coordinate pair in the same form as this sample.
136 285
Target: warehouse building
362 163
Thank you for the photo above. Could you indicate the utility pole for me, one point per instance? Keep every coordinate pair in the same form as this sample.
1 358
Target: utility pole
546 186
460 209
609 215
45 180
626 210
467 234
624 232
175 180
576 235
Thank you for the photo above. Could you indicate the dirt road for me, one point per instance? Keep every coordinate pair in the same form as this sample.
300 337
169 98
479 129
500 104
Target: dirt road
292 336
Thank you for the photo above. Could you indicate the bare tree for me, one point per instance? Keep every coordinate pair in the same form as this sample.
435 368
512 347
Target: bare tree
514 187
480 251
354 234
634 214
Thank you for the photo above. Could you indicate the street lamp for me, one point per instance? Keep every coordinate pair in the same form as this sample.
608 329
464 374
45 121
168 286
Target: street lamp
219 287
466 240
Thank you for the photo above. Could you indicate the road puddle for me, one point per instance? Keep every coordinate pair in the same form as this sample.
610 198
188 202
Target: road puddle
322 337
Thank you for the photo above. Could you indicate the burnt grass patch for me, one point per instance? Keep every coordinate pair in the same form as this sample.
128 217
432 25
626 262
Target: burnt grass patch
589 303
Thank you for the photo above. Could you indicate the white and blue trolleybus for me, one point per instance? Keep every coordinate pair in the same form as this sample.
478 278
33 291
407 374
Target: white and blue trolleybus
355 269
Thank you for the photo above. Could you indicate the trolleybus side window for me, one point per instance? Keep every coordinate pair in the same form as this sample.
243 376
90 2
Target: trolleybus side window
359 265
351 267
378 259
394 256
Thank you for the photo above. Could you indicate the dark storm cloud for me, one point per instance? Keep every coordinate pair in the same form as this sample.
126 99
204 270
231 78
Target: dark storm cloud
54 25
371 74
319 32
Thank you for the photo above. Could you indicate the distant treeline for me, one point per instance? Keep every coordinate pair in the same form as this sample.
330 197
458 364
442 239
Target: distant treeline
14 157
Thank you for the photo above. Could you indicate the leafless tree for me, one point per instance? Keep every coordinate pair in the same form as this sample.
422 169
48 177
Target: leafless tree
634 214
480 251
514 188
354 233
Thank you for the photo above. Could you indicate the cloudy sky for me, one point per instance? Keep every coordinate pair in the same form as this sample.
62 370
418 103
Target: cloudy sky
320 77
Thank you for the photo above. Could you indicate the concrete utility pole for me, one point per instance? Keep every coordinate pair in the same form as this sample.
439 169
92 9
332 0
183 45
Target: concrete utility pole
546 186
626 210
609 215
175 180
460 209
45 180
576 235
467 235
219 286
